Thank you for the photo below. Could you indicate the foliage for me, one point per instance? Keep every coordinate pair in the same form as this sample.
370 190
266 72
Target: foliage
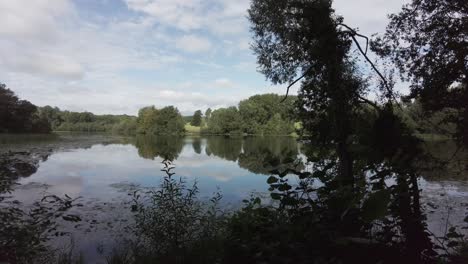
197 118
359 144
426 41
23 233
265 114
19 115
208 113
173 226
87 122
225 121
163 121
127 126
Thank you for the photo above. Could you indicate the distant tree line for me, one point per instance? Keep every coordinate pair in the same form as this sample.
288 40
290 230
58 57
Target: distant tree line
62 120
266 114
19 116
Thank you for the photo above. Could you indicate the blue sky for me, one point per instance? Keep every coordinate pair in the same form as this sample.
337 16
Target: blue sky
115 56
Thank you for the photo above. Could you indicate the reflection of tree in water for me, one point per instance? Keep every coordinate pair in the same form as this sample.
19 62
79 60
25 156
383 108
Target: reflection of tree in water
14 165
445 161
264 154
25 229
166 147
196 144
224 147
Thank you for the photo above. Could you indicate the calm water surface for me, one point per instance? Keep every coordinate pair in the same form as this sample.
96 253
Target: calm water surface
103 172
237 167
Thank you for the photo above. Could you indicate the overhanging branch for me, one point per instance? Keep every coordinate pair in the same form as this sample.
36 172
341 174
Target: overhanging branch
353 35
293 83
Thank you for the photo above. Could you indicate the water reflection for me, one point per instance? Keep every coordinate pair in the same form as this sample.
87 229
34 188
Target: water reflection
224 147
88 166
102 170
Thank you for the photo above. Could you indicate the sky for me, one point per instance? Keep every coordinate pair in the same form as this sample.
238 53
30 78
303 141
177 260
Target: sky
116 56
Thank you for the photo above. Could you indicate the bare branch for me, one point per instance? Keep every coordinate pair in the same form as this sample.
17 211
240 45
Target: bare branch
373 104
293 83
354 32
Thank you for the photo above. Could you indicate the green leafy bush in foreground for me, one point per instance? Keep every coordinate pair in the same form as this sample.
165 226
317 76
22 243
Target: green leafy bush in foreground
174 226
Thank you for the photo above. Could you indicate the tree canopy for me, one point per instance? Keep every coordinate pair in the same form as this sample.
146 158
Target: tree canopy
164 121
259 114
306 42
19 115
197 118
428 43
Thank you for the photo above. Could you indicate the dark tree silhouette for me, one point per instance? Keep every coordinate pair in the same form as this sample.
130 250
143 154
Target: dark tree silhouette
19 115
428 42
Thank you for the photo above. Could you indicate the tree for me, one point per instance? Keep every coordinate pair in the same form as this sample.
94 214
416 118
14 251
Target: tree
197 118
168 121
307 42
19 115
306 37
258 110
225 121
146 119
208 114
52 114
428 42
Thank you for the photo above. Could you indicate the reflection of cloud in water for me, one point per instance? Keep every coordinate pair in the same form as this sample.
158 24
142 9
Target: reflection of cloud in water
91 172
33 191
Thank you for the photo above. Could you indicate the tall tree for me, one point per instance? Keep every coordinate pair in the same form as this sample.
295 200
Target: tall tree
306 38
225 121
208 114
306 41
197 118
146 119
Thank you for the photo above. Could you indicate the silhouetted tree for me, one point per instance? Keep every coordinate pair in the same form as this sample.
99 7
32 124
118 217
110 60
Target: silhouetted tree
427 42
307 42
19 115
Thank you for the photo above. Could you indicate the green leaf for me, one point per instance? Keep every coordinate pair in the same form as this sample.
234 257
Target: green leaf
452 244
375 206
272 179
275 196
257 201
284 187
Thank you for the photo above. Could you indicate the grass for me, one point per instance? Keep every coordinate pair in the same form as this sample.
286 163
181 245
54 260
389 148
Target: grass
192 129
432 137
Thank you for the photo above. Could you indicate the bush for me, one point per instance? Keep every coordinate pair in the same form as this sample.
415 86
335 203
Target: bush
174 226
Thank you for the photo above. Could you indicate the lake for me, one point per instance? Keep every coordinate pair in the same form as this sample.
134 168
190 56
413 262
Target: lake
102 170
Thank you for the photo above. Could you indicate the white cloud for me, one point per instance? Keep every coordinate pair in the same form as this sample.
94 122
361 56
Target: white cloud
32 19
43 64
223 83
183 14
193 43
220 17
370 16
54 52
